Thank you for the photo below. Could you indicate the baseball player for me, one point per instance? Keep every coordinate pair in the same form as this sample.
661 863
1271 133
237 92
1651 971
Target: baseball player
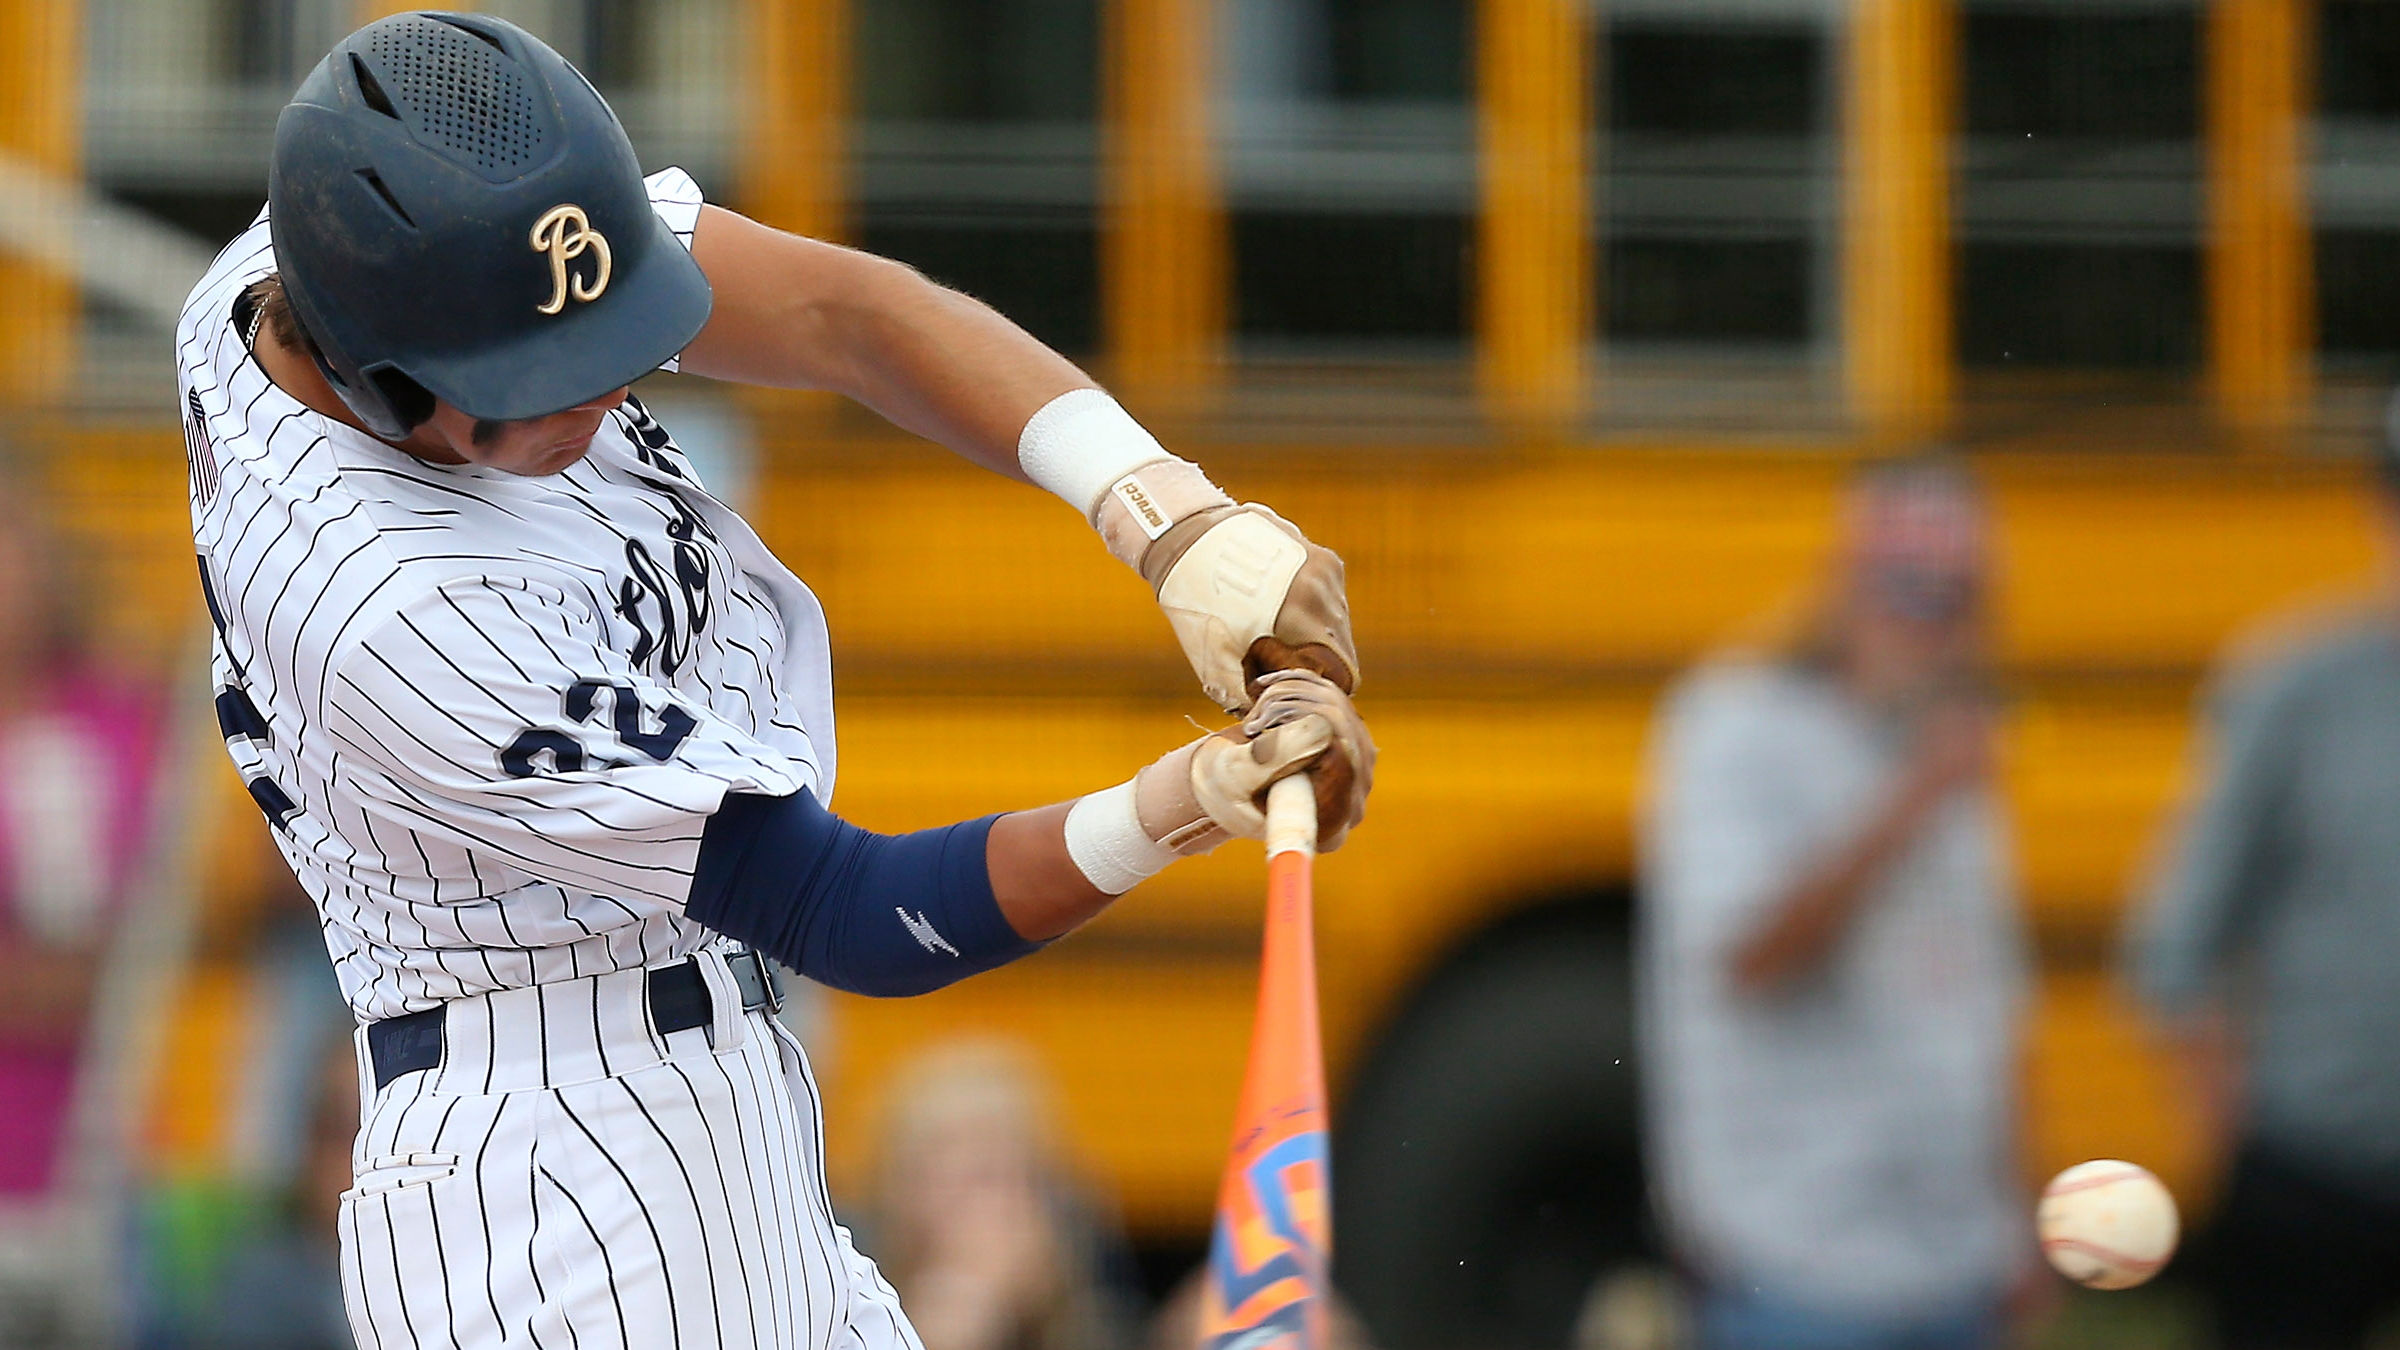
547 733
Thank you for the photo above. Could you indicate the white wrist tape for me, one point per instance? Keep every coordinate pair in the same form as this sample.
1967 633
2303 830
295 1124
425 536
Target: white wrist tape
1106 840
1080 444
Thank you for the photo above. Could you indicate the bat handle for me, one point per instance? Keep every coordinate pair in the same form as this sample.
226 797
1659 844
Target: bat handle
1292 816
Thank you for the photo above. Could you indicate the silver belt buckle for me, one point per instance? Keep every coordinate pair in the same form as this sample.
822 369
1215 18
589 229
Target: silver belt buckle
752 969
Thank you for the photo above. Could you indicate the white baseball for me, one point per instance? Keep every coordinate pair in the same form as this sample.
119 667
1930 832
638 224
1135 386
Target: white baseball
2106 1224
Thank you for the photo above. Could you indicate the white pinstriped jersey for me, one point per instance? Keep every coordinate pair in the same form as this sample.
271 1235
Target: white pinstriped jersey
487 714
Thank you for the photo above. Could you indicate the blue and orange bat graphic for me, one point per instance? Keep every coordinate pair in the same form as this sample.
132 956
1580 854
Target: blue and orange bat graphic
1270 1260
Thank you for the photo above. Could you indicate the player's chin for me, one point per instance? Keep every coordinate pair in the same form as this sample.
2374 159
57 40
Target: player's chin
541 461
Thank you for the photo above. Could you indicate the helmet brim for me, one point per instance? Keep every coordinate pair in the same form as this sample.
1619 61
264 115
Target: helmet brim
647 315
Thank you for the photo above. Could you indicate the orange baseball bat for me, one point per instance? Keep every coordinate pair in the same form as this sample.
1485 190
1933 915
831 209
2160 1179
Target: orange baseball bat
1271 1251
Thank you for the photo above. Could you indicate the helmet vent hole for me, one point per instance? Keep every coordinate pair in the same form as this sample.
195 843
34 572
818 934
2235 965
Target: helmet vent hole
375 181
459 90
476 33
371 91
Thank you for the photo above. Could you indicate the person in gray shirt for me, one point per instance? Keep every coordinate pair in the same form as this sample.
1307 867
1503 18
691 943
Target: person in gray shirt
2270 952
1831 965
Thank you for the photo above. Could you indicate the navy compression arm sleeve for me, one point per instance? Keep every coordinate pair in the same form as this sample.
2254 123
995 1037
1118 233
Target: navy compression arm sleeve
882 914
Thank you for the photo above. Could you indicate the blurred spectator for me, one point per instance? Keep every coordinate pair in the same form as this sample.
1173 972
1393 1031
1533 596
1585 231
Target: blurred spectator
1832 967
75 757
976 1219
2268 952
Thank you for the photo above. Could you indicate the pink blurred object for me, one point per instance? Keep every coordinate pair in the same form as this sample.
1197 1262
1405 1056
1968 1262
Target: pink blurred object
75 763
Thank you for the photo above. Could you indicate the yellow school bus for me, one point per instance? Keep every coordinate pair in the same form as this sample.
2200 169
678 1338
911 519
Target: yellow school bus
1518 612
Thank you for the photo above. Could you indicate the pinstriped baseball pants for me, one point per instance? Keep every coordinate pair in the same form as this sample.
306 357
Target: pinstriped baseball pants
568 1178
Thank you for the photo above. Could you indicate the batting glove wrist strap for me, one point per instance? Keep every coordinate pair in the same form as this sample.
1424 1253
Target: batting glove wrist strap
1154 510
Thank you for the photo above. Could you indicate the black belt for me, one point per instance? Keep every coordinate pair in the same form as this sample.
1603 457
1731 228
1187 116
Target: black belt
678 1002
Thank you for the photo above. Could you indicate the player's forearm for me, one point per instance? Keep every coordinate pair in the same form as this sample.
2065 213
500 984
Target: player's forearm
799 313
942 365
1246 590
894 915
890 915
886 915
1035 881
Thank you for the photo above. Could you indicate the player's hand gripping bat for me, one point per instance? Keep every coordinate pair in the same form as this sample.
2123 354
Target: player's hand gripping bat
1270 1258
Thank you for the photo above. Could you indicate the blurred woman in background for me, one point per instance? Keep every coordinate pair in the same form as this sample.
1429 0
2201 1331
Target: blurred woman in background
1831 960
977 1218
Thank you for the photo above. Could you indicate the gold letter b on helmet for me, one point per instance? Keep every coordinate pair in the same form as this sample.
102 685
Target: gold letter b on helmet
564 232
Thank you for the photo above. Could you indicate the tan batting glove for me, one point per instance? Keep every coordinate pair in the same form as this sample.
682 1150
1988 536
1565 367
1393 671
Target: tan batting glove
1197 796
1243 588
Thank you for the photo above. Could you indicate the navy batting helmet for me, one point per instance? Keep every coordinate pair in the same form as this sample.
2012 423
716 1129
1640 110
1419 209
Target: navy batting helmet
457 214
